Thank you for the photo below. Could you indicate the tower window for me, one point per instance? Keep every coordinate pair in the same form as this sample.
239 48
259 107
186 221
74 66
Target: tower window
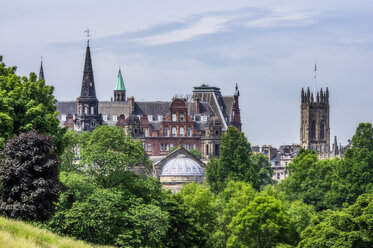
313 130
322 130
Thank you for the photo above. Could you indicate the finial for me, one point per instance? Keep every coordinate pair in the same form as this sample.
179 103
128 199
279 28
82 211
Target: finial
88 34
236 86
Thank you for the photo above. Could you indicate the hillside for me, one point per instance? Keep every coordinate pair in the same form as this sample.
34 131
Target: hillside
17 234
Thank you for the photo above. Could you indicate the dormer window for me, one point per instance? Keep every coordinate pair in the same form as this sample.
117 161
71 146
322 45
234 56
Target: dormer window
204 118
150 118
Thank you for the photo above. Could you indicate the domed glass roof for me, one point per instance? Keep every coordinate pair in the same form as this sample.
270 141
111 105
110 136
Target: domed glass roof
181 165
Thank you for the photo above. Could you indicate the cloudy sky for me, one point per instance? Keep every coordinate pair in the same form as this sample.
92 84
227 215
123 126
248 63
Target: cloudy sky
166 47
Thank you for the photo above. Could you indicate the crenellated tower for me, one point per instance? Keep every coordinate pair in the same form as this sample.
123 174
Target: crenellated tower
87 118
315 130
119 90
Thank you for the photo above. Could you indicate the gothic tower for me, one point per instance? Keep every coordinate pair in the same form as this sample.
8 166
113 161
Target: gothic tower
87 104
314 130
41 73
236 116
119 90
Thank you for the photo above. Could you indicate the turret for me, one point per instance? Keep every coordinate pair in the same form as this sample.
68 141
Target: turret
119 90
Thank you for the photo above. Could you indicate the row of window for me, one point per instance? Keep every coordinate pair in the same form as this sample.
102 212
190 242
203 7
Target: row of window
166 132
168 147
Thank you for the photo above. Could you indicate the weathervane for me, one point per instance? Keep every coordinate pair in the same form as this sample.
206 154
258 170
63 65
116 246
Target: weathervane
88 34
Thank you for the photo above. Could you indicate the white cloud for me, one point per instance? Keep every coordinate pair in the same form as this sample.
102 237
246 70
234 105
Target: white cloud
207 25
289 19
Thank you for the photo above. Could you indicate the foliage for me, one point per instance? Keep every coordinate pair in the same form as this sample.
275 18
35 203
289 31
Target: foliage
15 234
29 177
108 153
196 153
265 170
69 156
235 162
351 227
261 224
27 104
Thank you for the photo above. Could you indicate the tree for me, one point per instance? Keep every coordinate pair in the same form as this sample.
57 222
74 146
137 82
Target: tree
263 223
108 153
235 162
29 177
348 228
26 104
265 169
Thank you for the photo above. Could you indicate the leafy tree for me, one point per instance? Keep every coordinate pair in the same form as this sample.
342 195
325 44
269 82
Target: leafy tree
235 162
263 223
235 197
108 153
26 104
201 203
69 156
29 177
351 227
265 169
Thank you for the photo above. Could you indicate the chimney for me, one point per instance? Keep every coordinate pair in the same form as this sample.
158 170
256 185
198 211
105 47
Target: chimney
132 104
196 101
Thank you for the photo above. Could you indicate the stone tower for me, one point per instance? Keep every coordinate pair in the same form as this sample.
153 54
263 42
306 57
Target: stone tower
119 90
314 130
87 118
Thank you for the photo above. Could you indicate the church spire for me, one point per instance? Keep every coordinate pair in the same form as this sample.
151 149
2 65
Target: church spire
88 84
41 73
120 89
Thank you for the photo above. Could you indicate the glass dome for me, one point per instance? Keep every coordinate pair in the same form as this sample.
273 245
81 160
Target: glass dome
181 165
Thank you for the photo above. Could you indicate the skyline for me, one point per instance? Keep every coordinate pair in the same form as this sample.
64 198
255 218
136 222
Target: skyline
268 49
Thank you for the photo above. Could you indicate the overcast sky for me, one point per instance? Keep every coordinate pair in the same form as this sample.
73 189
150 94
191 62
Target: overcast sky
167 47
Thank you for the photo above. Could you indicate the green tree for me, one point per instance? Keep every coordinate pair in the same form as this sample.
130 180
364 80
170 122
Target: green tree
29 184
26 104
348 228
265 169
108 153
235 162
263 223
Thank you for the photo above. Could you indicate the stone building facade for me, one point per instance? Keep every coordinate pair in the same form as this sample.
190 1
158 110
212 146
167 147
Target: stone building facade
195 122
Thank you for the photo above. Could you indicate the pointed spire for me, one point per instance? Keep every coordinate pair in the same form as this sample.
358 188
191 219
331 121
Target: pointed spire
237 92
120 83
88 84
41 73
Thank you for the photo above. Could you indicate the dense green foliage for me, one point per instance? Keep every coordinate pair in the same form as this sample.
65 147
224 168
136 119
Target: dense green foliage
237 163
29 184
26 104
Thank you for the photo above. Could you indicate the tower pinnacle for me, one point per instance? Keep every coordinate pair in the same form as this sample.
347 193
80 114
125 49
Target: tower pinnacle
41 73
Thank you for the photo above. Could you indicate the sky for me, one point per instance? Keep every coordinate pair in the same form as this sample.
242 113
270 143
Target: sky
166 47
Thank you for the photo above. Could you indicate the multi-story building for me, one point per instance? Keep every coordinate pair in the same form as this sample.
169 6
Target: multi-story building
195 122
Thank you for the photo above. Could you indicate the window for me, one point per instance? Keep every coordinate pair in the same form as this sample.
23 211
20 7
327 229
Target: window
63 117
150 118
104 117
189 146
115 118
217 149
166 131
278 176
149 147
204 118
86 110
173 131
92 111
171 146
160 117
207 149
173 117
189 132
146 132
166 147
181 117
161 147
322 130
194 146
313 130
181 131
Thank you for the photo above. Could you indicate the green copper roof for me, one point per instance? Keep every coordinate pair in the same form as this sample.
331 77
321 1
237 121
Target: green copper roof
120 83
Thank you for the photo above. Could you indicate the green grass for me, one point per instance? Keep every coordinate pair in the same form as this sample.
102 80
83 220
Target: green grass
17 234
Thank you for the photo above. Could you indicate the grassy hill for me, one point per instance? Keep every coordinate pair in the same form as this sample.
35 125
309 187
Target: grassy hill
17 234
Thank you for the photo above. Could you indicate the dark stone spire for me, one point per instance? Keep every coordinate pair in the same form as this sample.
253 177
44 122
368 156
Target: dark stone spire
88 84
236 116
41 73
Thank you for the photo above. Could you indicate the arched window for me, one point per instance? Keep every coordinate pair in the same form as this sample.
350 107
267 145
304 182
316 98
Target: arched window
313 130
322 130
166 131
